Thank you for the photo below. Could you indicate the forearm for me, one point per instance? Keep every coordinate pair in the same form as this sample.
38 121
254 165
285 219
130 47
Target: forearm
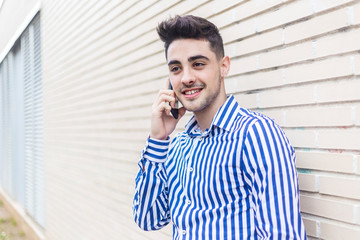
150 207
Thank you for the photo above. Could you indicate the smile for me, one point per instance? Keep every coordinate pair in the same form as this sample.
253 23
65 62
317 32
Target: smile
191 92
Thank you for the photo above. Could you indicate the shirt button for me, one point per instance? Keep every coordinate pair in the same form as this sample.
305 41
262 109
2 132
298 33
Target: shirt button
183 232
191 169
188 202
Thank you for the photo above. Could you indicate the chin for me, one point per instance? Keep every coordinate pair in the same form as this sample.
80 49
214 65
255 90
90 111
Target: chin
195 107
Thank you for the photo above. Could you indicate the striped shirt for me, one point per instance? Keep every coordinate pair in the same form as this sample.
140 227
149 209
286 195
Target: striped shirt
236 180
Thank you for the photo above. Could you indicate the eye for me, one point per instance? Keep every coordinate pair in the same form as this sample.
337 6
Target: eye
174 69
198 64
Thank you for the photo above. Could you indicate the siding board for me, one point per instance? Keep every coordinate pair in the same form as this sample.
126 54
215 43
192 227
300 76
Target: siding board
296 61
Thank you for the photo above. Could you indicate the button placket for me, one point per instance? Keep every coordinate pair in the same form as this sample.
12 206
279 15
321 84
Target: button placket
189 161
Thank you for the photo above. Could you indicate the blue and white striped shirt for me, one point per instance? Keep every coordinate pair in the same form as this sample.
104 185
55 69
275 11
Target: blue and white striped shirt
236 180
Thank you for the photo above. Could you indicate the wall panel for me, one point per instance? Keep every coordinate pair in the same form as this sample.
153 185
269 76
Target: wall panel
296 61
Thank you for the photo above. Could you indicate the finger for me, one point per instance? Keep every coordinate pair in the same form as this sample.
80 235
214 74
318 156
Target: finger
164 97
162 108
166 92
165 100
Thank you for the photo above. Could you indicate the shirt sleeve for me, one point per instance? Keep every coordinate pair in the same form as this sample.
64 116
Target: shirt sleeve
150 204
269 170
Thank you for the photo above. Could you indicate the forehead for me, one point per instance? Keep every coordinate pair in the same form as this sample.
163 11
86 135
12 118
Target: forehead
185 48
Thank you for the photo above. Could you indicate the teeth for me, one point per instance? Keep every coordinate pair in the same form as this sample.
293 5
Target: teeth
191 92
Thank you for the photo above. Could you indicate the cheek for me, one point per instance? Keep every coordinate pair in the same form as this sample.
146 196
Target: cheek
211 78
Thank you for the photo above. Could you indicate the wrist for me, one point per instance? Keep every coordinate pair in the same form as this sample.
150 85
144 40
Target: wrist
158 137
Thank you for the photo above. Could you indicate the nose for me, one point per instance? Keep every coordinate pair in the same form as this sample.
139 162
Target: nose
188 77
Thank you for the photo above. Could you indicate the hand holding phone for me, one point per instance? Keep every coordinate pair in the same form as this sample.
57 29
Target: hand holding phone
162 124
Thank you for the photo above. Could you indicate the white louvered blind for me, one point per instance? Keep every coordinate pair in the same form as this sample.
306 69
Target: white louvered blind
21 119
33 128
5 131
16 129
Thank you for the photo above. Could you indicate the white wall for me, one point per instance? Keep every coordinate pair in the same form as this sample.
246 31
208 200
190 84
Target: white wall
296 61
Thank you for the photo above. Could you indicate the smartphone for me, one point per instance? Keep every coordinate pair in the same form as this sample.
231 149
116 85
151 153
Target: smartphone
174 111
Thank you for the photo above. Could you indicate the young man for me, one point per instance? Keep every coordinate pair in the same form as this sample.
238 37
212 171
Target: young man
231 174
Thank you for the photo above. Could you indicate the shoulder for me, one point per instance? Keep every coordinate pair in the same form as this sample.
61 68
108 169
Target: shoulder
254 115
248 120
256 119
261 129
265 133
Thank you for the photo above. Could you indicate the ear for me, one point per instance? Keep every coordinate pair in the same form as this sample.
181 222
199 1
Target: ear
225 66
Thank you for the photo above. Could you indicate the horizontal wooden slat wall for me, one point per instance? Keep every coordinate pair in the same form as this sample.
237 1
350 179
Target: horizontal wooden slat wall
296 61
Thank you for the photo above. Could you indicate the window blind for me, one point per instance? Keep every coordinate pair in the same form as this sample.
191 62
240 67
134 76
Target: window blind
21 119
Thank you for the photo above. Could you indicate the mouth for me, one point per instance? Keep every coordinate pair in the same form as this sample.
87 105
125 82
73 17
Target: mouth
191 93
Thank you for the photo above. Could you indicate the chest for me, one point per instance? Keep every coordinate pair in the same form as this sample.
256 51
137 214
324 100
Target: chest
206 170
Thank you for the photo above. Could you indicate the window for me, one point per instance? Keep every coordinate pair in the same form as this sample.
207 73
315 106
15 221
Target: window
21 123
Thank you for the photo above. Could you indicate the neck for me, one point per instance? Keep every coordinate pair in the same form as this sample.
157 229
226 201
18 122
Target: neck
205 117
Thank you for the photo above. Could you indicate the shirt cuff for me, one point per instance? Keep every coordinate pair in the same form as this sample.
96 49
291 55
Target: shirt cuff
156 150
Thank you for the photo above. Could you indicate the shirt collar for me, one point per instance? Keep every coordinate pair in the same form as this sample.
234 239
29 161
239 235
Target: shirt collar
224 117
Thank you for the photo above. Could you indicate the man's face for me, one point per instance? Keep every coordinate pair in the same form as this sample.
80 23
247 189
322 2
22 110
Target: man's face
196 74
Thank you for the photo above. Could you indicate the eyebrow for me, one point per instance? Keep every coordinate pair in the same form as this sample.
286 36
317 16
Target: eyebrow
193 58
190 59
173 62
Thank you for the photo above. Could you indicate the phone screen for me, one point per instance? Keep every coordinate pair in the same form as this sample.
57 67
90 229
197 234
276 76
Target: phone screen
174 111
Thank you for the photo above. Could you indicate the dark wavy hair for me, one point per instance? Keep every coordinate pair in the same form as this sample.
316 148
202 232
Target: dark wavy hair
191 27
